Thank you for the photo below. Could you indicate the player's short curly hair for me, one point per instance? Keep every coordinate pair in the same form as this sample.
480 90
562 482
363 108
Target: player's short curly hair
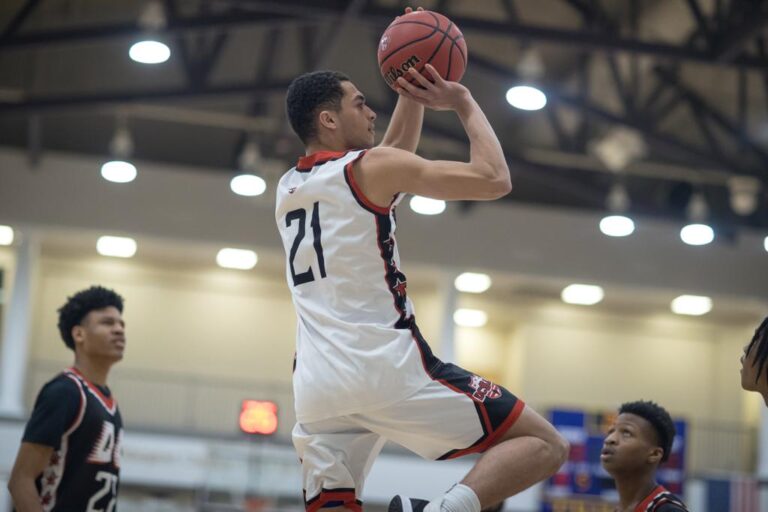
310 93
658 417
80 304
759 344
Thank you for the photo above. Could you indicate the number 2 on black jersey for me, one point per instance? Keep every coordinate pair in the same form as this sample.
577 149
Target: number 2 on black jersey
301 216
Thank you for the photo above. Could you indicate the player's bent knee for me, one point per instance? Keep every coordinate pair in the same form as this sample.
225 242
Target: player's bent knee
559 449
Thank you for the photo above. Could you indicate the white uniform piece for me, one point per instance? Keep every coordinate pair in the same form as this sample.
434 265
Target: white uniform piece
350 356
363 372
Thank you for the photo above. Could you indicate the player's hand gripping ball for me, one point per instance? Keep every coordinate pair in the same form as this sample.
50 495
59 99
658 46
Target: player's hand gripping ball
418 38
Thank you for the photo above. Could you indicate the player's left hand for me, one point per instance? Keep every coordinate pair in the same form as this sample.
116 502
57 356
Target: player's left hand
436 94
409 10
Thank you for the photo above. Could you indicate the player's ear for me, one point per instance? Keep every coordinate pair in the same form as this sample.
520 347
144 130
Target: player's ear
327 118
655 455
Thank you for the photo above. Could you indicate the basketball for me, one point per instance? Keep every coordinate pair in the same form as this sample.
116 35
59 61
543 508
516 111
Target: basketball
419 38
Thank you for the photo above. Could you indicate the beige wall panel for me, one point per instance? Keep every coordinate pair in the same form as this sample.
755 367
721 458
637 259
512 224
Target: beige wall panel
214 323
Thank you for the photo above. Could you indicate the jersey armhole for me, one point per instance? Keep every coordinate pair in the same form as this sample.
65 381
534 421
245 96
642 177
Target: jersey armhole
83 402
357 192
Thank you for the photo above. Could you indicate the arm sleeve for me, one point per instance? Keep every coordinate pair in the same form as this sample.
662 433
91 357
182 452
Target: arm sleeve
56 408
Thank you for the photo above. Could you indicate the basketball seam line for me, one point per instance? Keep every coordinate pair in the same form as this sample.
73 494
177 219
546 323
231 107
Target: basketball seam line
406 45
436 29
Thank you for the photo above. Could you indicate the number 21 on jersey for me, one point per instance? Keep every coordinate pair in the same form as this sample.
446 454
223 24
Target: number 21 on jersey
300 216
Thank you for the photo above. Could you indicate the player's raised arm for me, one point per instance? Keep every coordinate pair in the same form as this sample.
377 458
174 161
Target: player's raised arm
384 172
404 130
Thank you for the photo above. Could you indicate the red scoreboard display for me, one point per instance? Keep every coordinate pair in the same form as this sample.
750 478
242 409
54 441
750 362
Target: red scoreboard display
258 417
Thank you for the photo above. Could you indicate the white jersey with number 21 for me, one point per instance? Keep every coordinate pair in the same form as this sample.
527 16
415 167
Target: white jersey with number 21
355 340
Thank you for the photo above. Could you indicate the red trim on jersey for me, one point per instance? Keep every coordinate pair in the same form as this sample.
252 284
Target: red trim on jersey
421 352
643 505
107 401
386 270
306 163
81 409
348 499
492 435
382 210
517 410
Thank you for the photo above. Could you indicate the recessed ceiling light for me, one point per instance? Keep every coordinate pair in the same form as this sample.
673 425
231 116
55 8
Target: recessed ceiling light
694 305
118 171
470 317
248 185
241 259
117 246
427 206
6 235
617 225
525 97
150 52
582 294
697 234
471 282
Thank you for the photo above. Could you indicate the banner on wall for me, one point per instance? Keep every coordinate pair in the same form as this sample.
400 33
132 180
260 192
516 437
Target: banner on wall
582 485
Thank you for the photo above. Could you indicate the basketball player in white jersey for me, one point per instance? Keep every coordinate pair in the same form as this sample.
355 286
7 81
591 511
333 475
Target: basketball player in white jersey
363 373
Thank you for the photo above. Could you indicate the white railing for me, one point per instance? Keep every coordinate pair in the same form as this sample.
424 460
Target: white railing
182 403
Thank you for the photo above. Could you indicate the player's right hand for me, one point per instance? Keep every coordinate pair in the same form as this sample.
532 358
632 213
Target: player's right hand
438 94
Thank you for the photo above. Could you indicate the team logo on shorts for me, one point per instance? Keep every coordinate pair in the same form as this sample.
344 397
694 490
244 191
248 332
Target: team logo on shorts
384 43
483 389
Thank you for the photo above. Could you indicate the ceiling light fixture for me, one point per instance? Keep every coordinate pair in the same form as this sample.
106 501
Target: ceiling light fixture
116 246
617 225
693 305
470 317
582 294
470 282
6 235
249 183
697 232
119 169
240 259
526 97
530 69
151 51
427 206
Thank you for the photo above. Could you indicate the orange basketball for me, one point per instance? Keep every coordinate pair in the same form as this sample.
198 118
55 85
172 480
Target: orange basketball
419 38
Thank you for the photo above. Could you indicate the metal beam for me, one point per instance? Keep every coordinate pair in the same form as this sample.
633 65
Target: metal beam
732 43
38 104
19 19
701 155
740 136
701 21
379 17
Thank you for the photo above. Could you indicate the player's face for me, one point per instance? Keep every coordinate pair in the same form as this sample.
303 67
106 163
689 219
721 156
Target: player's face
630 446
356 117
101 334
748 366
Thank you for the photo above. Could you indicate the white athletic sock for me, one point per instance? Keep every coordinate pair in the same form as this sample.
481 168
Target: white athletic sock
459 498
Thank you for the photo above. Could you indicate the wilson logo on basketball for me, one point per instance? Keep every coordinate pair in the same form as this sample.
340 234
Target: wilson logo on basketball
384 43
483 389
394 73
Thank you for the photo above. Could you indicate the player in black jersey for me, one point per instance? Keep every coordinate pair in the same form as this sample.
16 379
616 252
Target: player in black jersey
639 440
754 362
69 459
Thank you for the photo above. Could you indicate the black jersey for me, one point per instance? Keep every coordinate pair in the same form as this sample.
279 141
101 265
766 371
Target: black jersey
661 500
82 424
